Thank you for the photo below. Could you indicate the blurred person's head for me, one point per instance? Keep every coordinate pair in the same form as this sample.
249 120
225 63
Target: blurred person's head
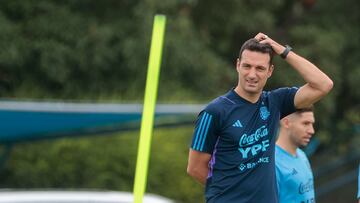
254 67
297 128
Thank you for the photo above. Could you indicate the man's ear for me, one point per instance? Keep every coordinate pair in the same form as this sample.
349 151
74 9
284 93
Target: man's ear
285 122
238 64
271 69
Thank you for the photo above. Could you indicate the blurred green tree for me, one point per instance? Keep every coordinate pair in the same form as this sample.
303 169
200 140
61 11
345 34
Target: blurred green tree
98 50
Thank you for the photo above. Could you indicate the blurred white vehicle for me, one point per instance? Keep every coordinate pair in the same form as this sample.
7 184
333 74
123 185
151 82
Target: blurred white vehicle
14 196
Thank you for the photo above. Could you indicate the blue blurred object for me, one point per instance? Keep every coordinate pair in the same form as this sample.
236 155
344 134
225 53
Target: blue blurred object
25 121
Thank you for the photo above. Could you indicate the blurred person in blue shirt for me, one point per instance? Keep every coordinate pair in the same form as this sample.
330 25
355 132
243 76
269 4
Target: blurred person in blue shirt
358 195
293 172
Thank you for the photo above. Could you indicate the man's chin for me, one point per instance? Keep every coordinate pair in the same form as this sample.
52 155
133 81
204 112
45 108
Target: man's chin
251 90
304 144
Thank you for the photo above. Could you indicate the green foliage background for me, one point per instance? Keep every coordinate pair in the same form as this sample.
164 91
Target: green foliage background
98 51
104 162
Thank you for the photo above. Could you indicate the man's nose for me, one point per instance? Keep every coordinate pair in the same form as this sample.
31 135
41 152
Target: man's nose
252 73
311 130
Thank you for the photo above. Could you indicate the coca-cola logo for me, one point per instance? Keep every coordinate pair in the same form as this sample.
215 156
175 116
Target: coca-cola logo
306 187
247 140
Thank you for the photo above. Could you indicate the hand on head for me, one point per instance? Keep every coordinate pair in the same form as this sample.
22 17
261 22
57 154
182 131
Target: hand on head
260 37
264 39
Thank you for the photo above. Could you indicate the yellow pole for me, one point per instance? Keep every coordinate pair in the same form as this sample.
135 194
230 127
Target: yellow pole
149 107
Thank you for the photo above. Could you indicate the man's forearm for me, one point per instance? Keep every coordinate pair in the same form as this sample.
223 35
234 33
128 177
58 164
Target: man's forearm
198 165
311 74
318 84
315 78
199 174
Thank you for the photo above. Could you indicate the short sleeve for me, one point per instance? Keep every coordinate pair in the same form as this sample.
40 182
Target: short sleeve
205 132
284 98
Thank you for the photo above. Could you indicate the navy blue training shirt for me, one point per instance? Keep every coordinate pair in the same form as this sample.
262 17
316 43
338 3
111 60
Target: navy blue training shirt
240 136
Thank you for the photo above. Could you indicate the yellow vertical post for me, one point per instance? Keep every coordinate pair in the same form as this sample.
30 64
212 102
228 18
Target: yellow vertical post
149 107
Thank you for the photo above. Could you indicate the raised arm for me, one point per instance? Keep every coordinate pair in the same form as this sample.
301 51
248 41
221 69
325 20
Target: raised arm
198 165
318 84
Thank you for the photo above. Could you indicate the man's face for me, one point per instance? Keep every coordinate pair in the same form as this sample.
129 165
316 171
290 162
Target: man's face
254 69
301 128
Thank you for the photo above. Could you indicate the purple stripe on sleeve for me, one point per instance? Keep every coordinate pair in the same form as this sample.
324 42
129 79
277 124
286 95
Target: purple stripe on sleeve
212 160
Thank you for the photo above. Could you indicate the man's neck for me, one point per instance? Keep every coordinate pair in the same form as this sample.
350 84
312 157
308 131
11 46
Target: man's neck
286 145
253 98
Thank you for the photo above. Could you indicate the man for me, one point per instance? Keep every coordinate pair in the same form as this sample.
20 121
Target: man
293 172
232 150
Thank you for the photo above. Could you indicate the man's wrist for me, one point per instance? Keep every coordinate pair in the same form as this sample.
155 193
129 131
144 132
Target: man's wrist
286 51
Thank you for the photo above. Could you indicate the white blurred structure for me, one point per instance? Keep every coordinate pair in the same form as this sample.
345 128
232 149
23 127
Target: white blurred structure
13 196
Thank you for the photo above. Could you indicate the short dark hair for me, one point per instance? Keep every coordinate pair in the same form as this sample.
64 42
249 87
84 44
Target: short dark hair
253 45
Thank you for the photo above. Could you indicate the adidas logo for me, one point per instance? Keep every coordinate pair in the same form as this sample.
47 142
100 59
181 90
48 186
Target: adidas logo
294 172
237 124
